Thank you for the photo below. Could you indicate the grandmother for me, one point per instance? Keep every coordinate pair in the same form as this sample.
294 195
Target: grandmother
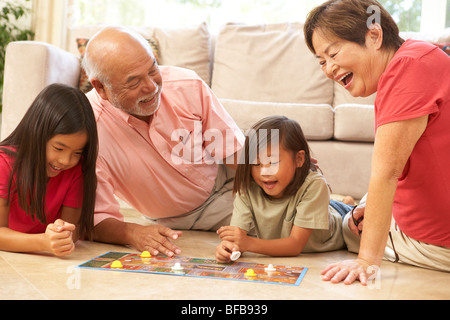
406 215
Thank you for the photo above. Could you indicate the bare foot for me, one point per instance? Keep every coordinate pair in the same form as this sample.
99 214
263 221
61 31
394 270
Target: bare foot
349 201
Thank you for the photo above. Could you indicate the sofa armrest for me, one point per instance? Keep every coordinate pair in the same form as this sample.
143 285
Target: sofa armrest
30 66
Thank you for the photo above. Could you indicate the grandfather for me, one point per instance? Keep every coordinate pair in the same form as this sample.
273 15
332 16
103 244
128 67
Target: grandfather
144 114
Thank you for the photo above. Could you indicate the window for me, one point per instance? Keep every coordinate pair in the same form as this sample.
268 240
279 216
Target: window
411 15
182 13
447 11
406 13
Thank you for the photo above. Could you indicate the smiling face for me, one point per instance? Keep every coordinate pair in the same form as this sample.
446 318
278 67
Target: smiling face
353 66
354 41
64 151
132 80
136 86
274 171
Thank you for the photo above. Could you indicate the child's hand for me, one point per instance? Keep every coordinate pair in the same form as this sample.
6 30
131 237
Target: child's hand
356 223
59 238
224 251
235 235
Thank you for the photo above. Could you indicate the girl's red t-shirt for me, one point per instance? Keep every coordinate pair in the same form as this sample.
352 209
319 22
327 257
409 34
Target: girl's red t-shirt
66 189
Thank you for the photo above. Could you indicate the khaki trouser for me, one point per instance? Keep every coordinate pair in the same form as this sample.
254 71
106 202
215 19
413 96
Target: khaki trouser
404 249
215 212
401 248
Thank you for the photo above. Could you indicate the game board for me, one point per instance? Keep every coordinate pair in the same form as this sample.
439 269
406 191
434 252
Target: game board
197 267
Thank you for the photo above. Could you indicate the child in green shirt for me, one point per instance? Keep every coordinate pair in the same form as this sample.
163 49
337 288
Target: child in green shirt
281 197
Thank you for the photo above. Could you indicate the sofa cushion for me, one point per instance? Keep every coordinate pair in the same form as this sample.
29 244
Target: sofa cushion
187 48
342 96
268 62
439 36
317 121
354 122
183 47
345 165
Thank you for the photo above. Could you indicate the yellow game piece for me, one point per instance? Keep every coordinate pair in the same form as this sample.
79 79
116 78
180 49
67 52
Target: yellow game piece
116 264
250 273
146 254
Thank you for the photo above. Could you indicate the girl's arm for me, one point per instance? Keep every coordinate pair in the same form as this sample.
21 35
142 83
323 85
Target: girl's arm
290 246
16 241
72 216
53 240
284 247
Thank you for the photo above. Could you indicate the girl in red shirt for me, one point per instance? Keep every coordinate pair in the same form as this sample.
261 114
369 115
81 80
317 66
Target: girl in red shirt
47 174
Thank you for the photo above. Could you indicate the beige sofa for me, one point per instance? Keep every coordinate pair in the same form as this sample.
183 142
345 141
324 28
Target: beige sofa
256 71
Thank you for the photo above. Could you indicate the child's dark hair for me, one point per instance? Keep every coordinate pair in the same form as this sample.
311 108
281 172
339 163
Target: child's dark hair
58 109
275 128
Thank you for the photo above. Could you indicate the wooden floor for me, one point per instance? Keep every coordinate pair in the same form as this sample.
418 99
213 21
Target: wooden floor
42 276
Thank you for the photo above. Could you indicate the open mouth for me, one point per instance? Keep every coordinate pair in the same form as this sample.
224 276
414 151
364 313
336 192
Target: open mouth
145 101
346 79
55 168
151 100
270 184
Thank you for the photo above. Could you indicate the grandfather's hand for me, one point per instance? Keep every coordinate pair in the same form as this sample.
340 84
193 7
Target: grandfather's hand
156 239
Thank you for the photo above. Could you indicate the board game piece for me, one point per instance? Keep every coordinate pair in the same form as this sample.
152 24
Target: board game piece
197 267
270 268
250 273
235 255
116 264
146 254
177 267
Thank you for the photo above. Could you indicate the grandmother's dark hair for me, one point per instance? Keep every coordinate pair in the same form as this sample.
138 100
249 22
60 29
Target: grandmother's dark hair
350 20
274 128
58 109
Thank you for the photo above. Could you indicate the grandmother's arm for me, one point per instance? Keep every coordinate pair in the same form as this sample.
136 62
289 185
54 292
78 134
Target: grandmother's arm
394 143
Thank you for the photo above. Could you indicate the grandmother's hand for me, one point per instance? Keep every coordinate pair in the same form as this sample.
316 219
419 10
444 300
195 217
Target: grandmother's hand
347 271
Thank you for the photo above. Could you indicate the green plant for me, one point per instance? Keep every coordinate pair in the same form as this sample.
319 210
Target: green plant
10 14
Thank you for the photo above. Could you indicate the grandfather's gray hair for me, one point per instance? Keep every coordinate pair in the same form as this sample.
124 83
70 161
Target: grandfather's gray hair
92 66
93 69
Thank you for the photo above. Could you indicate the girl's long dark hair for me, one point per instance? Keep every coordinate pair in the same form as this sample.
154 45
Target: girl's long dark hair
289 134
58 109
